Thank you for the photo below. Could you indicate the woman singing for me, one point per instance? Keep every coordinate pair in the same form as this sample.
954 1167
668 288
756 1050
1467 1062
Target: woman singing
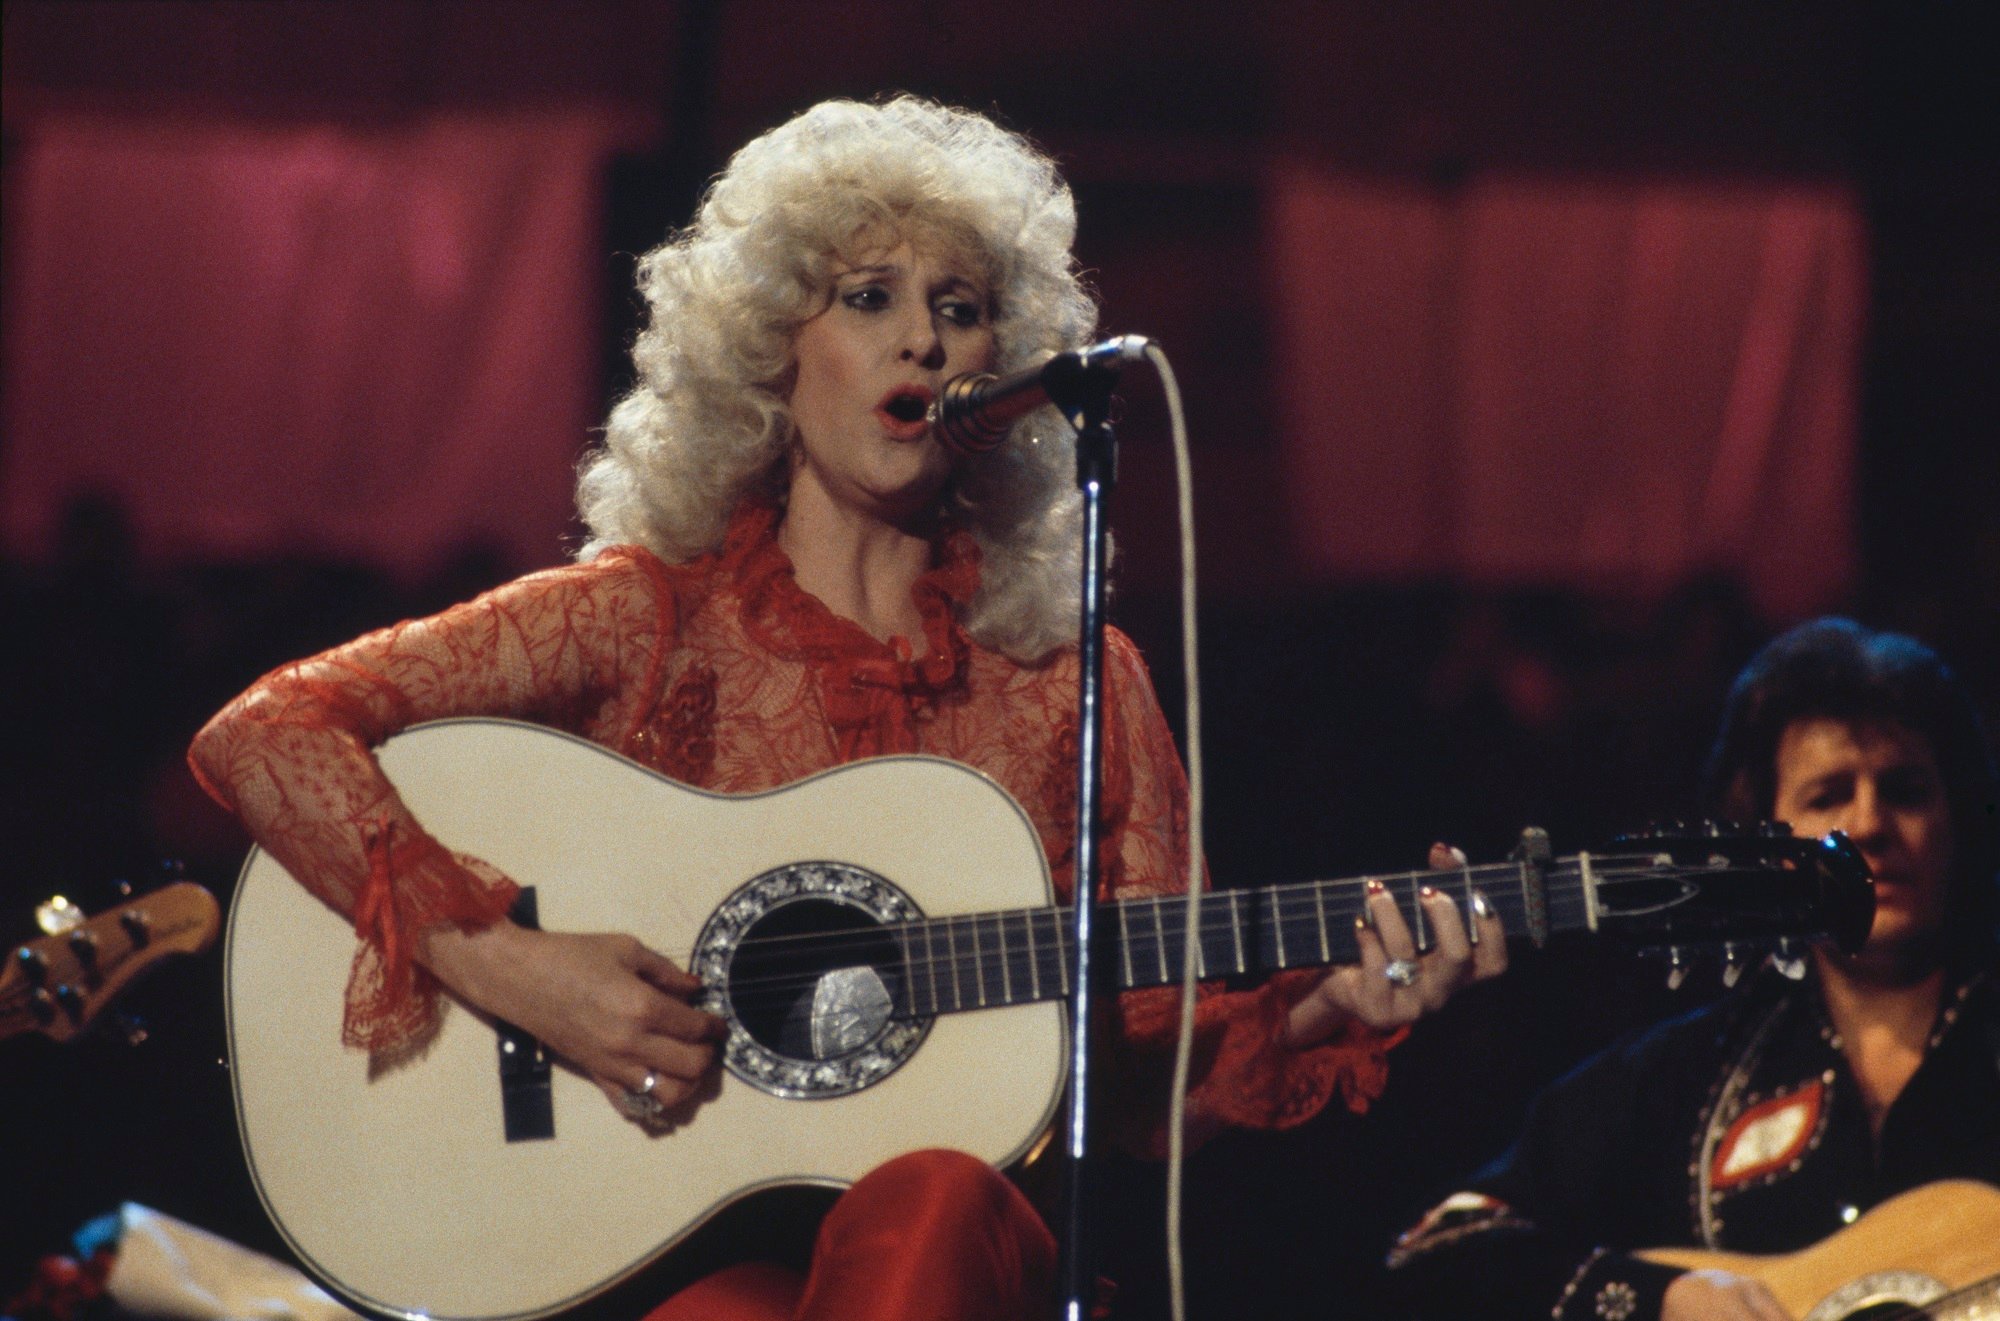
786 571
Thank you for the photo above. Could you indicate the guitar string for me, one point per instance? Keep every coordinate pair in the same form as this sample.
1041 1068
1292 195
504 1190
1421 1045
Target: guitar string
1564 880
1564 885
1565 903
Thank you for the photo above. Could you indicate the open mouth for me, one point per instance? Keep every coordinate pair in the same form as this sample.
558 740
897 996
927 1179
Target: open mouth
907 404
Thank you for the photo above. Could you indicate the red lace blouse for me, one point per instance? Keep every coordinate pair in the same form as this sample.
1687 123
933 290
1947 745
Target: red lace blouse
725 674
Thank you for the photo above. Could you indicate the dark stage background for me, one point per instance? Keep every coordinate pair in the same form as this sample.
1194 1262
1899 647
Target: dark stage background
1542 361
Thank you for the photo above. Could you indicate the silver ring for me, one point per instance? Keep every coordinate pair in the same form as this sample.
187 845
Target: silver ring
639 1102
1401 972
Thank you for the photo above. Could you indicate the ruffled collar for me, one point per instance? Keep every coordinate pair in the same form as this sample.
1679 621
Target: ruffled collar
793 624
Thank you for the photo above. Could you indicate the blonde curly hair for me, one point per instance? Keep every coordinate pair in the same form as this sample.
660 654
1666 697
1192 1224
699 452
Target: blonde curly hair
707 424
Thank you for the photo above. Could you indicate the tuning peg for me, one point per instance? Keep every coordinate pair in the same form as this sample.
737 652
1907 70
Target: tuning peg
1677 968
71 1000
1732 963
1787 960
137 930
132 1028
84 945
32 964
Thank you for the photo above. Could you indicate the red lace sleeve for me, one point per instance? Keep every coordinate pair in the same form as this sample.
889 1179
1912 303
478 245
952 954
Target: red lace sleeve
580 647
1244 1073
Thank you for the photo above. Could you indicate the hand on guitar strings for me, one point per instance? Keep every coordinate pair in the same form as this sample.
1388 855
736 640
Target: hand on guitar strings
616 1010
1394 984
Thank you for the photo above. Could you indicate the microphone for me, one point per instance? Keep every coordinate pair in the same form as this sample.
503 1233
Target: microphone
973 412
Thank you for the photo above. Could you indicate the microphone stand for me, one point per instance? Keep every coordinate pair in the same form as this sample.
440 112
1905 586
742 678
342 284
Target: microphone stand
1084 396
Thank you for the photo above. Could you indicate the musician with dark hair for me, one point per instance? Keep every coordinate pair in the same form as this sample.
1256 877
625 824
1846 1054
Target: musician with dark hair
1772 1119
787 571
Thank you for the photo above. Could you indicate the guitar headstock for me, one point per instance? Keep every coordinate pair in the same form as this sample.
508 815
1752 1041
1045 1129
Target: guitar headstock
1730 885
59 983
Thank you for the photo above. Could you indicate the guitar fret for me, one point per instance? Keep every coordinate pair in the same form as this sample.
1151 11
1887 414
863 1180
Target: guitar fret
1319 910
1236 931
1062 951
1419 926
930 965
1034 955
1278 928
1125 941
1160 941
1006 973
1003 975
980 995
951 947
1471 923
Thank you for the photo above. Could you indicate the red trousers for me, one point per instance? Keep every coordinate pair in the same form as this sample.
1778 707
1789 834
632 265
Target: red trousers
932 1236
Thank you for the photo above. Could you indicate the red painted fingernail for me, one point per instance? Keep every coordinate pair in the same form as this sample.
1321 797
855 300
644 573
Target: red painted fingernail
1428 892
1376 887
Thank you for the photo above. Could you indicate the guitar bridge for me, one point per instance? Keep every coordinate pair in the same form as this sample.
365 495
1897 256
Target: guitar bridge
527 1101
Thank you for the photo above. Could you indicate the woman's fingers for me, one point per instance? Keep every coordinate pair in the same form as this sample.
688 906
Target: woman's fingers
1486 938
1489 955
1391 983
1387 920
663 972
1449 964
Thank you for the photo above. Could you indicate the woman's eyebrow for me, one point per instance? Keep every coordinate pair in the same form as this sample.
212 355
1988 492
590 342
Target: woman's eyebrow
959 284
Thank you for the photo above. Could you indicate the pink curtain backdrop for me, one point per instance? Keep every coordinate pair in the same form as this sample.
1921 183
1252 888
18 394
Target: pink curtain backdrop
1614 384
381 343
376 343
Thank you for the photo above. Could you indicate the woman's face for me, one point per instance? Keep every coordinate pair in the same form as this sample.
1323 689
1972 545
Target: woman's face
1878 781
901 322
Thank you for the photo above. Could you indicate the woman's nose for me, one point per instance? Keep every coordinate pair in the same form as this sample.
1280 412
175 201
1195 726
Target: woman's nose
921 342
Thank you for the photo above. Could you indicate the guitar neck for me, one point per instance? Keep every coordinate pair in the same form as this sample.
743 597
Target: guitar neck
989 960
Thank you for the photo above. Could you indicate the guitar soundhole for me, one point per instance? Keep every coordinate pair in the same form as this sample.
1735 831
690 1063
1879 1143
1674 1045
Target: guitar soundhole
802 964
814 980
1879 1296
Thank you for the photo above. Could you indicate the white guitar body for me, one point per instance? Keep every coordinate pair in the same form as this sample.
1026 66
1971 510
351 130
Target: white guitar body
401 1191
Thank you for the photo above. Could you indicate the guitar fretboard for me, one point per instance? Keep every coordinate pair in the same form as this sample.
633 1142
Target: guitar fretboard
988 960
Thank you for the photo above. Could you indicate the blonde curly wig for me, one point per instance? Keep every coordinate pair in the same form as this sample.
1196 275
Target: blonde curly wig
707 423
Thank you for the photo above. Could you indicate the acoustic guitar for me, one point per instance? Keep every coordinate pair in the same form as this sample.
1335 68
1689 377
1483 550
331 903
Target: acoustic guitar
883 943
1932 1253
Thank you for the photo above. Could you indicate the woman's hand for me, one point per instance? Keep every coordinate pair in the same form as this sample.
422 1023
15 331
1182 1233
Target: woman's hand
613 1008
1367 992
1719 1296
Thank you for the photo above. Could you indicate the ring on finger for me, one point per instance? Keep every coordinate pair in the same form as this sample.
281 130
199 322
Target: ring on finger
1401 972
639 1102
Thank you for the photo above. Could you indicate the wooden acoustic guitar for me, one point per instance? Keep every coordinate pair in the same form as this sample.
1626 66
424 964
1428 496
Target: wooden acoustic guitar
60 983
1932 1253
882 941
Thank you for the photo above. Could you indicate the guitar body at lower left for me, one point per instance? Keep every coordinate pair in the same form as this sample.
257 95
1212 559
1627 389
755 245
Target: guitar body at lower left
400 1190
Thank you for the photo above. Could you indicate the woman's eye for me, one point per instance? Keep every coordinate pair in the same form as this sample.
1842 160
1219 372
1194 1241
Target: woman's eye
867 298
961 313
